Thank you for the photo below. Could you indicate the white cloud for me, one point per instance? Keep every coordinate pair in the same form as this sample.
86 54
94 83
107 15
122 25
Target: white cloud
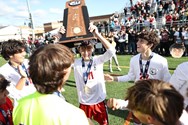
5 9
15 12
22 8
39 13
35 1
14 1
56 10
22 14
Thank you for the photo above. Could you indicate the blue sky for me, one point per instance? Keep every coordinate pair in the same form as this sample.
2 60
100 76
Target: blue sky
15 12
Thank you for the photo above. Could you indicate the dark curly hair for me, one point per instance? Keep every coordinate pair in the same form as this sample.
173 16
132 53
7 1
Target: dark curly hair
47 67
11 47
151 37
3 83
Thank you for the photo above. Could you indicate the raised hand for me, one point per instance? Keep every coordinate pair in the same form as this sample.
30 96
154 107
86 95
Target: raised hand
22 72
108 77
113 103
62 30
93 29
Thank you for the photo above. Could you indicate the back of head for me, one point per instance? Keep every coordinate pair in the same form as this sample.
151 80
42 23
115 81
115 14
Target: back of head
48 65
151 37
3 83
11 47
157 99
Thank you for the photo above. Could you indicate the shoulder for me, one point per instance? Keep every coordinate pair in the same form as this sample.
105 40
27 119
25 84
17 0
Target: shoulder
50 100
5 66
136 57
77 61
5 69
27 99
159 57
7 104
183 66
73 108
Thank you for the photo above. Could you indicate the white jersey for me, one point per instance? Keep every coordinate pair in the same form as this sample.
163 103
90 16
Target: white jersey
94 91
13 76
180 80
158 69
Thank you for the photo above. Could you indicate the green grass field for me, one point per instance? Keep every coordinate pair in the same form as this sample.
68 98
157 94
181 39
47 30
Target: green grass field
114 89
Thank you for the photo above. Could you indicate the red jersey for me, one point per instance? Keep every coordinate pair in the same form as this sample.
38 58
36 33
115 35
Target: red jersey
6 112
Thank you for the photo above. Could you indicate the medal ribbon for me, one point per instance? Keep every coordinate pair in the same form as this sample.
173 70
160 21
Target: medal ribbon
5 116
143 74
59 94
86 74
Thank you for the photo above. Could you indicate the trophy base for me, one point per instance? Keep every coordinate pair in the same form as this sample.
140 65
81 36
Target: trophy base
76 39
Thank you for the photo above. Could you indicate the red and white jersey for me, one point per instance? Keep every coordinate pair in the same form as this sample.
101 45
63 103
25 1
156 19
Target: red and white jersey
158 69
7 109
94 91
179 80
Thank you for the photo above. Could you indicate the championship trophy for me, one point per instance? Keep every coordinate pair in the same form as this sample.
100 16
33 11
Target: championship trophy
76 22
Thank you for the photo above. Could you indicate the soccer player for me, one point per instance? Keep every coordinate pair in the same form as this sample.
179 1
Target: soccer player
6 106
16 69
153 102
88 74
179 80
146 64
49 69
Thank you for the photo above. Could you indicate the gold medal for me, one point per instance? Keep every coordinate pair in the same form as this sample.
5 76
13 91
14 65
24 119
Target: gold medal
86 89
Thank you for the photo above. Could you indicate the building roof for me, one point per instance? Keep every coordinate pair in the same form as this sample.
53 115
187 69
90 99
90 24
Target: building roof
1 27
101 16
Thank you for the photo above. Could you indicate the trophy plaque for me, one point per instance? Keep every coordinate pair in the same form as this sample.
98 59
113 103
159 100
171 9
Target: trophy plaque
76 22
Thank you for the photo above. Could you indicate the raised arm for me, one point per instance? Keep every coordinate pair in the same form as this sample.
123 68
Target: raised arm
93 29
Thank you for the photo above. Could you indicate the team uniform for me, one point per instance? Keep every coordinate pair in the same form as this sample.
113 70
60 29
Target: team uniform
12 75
158 69
47 109
92 92
6 113
179 80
